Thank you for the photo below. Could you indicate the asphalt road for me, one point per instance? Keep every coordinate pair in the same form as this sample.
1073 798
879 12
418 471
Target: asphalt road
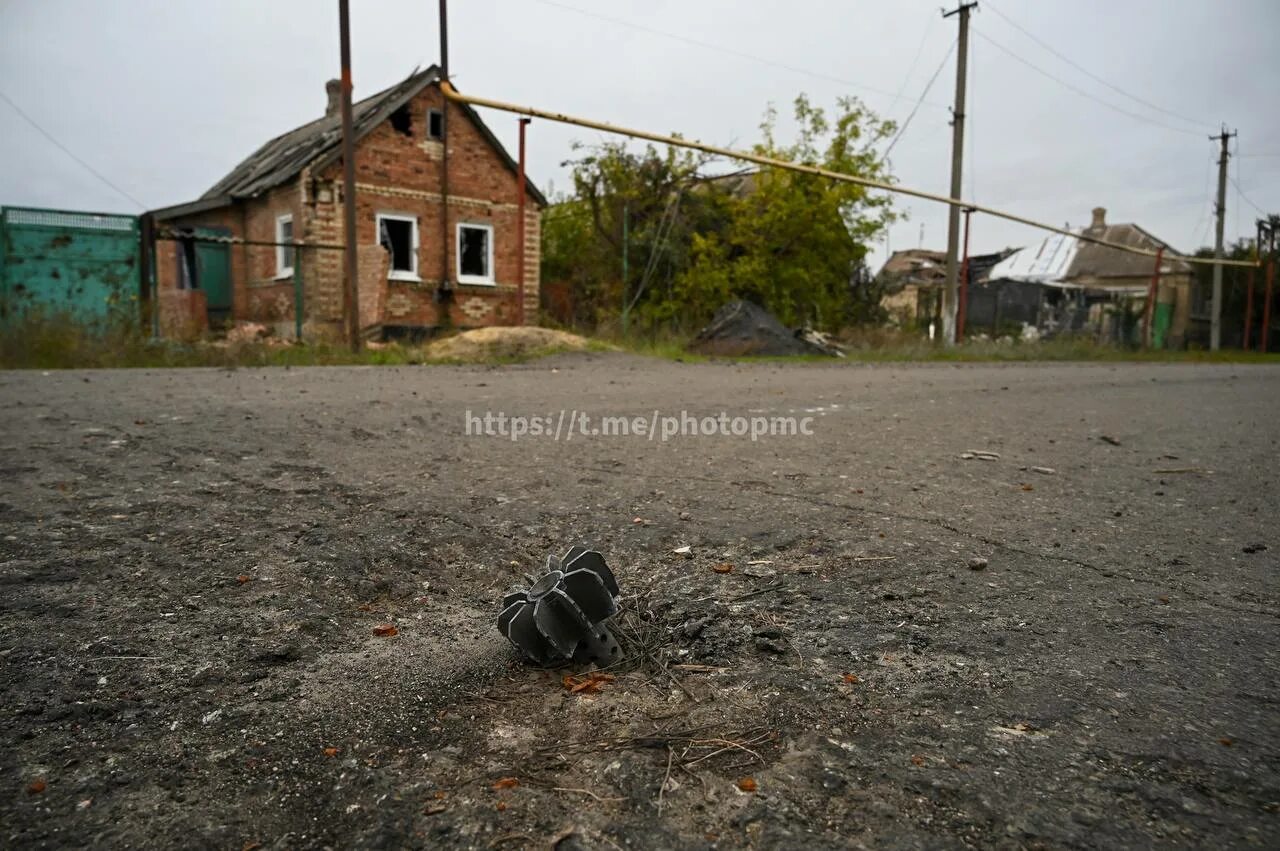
194 564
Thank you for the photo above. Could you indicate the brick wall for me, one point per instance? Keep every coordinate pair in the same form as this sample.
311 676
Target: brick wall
395 173
401 174
227 218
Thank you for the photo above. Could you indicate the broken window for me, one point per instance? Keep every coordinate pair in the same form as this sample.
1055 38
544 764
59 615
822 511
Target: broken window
284 253
188 273
399 236
402 121
435 124
475 254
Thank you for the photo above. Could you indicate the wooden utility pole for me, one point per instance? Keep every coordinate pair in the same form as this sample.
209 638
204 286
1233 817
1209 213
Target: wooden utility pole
951 294
351 292
445 291
1215 326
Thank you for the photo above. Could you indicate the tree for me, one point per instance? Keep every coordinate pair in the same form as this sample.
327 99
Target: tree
794 243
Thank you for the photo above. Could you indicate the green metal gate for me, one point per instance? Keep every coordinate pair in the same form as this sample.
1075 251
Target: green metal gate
66 264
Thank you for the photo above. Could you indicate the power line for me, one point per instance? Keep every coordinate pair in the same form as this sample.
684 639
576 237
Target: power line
722 49
1205 212
1247 199
1086 71
1081 91
924 37
68 152
923 94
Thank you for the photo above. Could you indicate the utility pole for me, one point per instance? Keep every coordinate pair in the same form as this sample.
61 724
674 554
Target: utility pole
444 292
950 295
1215 327
523 123
964 279
350 293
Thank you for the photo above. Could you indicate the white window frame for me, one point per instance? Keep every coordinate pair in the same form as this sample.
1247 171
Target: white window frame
284 253
479 280
401 274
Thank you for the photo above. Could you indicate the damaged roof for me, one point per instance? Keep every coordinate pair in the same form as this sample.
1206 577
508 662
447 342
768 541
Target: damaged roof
319 143
914 267
1059 259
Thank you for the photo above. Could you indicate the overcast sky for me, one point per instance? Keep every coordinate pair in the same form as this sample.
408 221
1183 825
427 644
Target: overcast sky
163 97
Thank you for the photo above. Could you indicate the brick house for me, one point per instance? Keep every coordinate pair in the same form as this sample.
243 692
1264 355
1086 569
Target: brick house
291 189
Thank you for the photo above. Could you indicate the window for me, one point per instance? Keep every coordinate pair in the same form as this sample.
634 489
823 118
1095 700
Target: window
399 235
435 124
475 254
284 253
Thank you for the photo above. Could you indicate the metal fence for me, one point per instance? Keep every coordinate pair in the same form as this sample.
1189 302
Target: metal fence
83 266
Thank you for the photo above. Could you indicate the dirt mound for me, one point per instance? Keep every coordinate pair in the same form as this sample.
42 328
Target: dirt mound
742 328
484 344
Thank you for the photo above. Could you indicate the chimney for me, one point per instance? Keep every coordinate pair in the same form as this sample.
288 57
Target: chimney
333 89
1099 218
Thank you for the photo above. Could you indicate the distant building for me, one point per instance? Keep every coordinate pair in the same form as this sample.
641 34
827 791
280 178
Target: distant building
914 279
1086 288
413 275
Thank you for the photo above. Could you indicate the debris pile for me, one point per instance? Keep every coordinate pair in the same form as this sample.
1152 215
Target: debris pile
741 328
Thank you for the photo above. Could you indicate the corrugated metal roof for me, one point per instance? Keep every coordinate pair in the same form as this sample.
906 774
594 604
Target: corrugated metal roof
1045 261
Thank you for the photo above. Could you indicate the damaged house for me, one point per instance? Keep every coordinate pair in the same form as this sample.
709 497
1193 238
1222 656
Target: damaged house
419 269
912 281
1063 285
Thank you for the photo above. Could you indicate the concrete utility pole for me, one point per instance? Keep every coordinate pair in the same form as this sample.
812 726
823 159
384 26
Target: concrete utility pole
951 295
351 293
1215 327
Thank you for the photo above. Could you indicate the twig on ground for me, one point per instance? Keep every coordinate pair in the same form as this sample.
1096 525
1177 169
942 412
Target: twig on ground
671 755
587 792
768 588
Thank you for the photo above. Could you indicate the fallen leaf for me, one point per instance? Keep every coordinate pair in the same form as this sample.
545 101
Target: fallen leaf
37 786
364 607
1225 742
917 760
330 751
502 805
385 630
1027 487
723 567
1163 599
748 784
242 578
506 783
640 521
683 551
851 678
440 795
589 684
251 845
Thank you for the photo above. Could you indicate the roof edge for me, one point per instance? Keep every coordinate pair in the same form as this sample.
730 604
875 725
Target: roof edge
200 205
